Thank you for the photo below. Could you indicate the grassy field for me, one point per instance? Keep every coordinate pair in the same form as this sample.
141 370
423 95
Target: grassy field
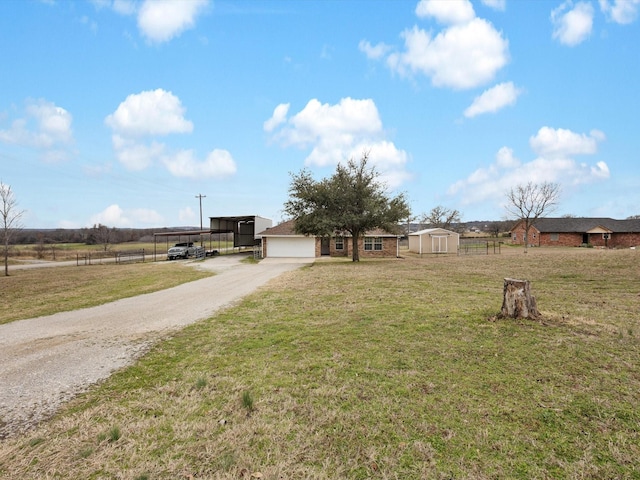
391 369
70 251
34 292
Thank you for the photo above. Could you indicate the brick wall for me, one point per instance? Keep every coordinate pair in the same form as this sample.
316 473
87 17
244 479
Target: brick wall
389 248
624 240
564 240
519 235
347 243
616 240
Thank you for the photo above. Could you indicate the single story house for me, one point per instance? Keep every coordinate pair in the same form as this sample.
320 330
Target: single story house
434 240
575 232
282 241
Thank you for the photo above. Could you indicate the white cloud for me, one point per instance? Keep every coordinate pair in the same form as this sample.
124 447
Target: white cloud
373 52
161 20
340 123
279 116
158 20
44 126
493 99
620 11
141 118
335 133
124 7
135 155
560 142
462 56
466 53
554 163
186 215
152 112
115 216
506 159
572 27
52 126
496 4
218 164
449 12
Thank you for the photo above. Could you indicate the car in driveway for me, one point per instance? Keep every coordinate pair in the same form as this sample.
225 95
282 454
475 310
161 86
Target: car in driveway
181 250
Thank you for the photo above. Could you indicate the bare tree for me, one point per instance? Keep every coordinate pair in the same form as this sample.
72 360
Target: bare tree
104 235
530 202
10 220
441 217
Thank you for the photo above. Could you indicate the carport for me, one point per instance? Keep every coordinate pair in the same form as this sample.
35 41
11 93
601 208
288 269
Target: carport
178 236
242 227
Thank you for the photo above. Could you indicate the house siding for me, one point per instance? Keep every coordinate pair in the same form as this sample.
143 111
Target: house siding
389 248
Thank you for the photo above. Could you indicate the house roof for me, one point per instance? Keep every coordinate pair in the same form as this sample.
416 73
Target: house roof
585 224
282 229
428 231
288 229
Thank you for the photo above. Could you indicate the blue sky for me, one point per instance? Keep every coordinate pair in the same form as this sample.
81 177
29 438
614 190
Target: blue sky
121 112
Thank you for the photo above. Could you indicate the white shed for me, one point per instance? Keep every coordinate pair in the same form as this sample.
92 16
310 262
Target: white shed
434 240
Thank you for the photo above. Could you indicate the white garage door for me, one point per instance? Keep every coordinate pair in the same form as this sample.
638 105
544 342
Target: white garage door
299 247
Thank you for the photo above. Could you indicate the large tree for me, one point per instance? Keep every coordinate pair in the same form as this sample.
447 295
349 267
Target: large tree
352 200
441 217
10 220
531 201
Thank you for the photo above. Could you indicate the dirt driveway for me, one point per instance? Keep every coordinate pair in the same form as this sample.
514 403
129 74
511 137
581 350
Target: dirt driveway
45 361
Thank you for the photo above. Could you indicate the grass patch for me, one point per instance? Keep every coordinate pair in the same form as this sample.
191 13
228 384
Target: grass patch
382 369
29 293
247 401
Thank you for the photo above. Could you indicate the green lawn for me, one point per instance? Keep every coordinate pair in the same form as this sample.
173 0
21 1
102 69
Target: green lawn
34 292
382 369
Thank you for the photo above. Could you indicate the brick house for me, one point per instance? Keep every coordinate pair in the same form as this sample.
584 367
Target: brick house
575 232
282 241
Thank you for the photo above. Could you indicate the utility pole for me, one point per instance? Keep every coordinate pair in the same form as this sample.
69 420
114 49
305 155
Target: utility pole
200 197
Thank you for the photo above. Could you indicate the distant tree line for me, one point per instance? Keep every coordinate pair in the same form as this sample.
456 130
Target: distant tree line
97 235
91 236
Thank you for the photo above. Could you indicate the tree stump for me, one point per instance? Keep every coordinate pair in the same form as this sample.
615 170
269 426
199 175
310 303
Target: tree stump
517 300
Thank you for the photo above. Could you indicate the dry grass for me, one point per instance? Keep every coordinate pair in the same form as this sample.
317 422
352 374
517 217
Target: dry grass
42 291
382 369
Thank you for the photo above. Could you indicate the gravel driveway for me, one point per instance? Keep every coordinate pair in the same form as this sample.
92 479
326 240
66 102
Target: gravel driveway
45 361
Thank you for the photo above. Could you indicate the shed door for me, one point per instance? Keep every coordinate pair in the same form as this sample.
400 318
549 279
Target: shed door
439 244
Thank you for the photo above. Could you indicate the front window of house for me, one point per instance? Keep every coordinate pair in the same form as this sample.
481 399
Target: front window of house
373 243
368 243
339 243
554 237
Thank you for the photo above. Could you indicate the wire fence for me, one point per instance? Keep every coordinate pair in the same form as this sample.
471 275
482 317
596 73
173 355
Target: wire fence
98 258
475 247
